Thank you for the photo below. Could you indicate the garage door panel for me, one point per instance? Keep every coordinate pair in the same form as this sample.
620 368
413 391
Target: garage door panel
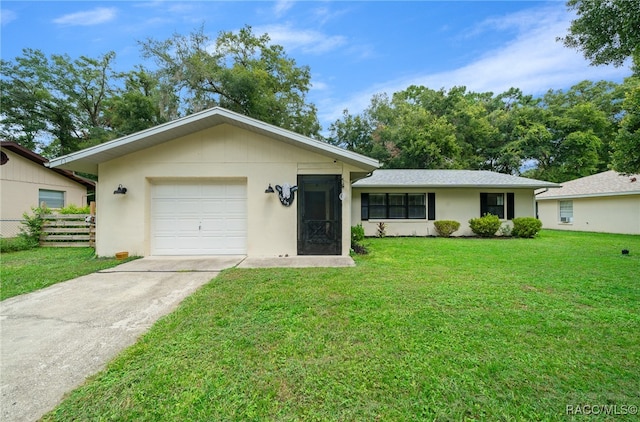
236 225
214 191
213 206
163 206
206 218
236 206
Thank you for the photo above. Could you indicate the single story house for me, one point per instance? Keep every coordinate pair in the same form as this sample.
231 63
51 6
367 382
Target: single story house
409 201
25 182
218 182
606 202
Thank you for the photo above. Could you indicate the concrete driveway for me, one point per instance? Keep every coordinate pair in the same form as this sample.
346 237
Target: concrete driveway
53 339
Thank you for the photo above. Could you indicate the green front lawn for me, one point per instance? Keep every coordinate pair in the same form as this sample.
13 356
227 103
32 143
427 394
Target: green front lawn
26 271
421 329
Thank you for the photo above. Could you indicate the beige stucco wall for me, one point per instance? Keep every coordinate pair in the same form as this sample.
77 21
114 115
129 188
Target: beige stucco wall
607 214
459 204
225 151
21 180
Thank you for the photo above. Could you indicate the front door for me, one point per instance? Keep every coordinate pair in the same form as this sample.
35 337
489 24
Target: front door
319 215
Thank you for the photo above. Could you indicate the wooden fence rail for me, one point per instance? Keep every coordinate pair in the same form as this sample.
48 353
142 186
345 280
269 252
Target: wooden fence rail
68 230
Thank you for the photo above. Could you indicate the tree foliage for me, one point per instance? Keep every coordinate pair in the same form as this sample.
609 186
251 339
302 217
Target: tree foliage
626 146
606 31
238 71
59 105
561 136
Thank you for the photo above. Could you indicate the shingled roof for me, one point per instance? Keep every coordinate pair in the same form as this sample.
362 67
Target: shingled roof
608 183
449 179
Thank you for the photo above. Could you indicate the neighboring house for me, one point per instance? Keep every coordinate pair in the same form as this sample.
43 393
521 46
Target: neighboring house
409 201
605 202
25 182
217 182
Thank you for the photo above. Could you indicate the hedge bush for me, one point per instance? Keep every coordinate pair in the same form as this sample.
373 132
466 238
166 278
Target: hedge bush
446 227
357 233
357 236
526 227
74 209
485 226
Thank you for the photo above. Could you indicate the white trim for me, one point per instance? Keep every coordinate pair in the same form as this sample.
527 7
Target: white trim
587 195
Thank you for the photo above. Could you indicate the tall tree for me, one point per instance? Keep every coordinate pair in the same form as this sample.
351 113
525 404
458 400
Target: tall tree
626 146
239 71
25 97
606 31
141 104
352 133
55 104
570 134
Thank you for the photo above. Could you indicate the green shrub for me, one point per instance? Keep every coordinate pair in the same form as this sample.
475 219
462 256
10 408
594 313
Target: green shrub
357 236
74 209
446 227
33 223
526 227
357 233
485 226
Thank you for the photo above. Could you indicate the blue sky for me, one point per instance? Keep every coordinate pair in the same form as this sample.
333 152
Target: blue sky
354 49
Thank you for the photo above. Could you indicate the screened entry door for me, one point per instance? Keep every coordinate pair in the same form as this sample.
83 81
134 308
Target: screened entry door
319 215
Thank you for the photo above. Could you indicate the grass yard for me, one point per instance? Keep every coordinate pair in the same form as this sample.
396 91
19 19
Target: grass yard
422 329
33 269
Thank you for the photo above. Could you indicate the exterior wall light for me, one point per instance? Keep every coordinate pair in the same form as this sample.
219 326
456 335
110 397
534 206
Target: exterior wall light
120 191
268 190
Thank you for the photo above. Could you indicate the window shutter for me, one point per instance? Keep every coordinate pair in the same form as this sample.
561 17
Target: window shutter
364 206
511 205
431 204
483 203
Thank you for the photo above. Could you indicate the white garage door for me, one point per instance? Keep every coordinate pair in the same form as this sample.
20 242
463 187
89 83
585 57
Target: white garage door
199 219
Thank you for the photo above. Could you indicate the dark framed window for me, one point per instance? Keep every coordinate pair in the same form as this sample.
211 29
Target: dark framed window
417 206
377 205
397 205
499 204
394 206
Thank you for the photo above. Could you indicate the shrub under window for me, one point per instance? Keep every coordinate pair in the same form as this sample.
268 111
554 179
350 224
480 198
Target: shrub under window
485 226
526 227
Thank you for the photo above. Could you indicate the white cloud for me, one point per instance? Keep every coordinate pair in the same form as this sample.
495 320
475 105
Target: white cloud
88 18
307 40
532 61
281 7
7 16
319 86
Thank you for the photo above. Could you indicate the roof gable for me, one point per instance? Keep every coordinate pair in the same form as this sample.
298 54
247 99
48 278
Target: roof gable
608 183
449 178
39 160
87 160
